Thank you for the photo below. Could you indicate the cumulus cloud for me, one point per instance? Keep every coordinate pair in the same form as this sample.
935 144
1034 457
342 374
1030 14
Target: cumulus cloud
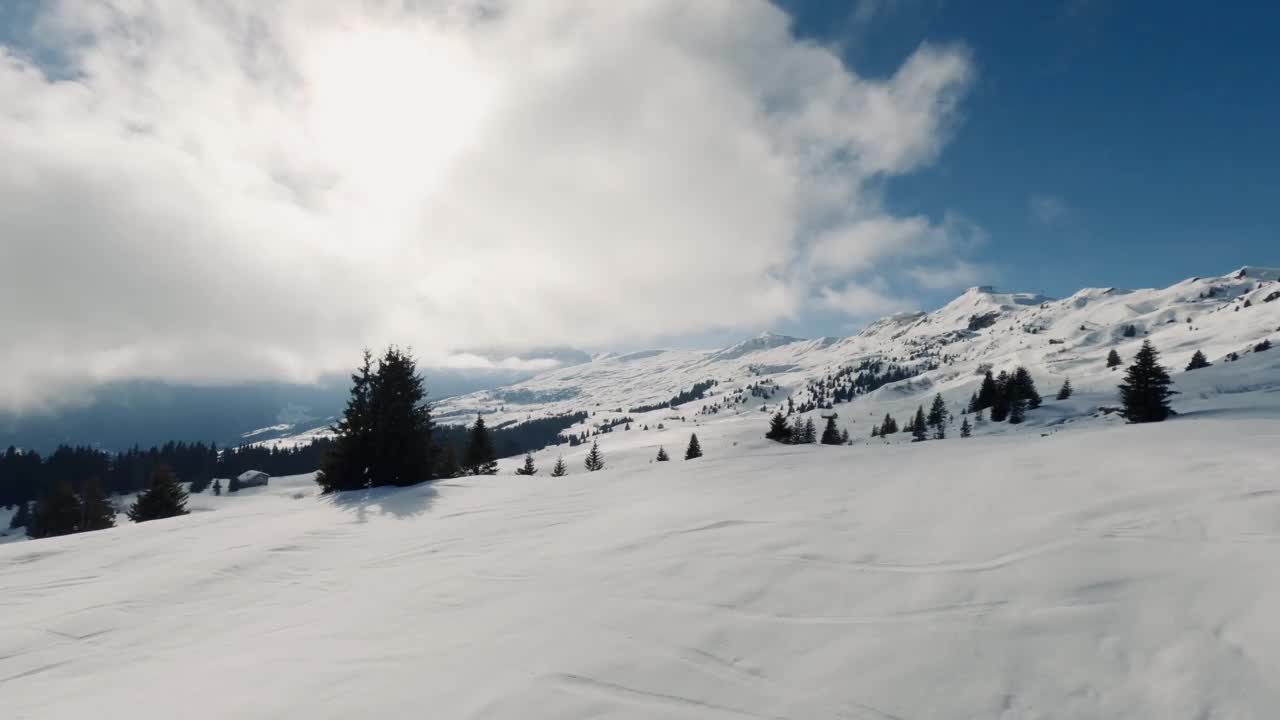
234 190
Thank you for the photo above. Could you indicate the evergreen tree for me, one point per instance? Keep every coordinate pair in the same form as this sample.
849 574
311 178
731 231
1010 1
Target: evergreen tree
57 512
1017 409
662 454
1145 391
987 392
480 458
937 418
1065 391
163 498
973 404
21 518
1130 331
1198 360
528 467
402 447
810 435
1113 358
384 436
965 429
346 465
559 470
595 459
1024 387
694 450
889 426
1003 398
448 466
844 437
918 426
217 488
96 511
831 433
779 430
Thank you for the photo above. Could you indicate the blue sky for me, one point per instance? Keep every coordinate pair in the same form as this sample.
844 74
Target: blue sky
1103 143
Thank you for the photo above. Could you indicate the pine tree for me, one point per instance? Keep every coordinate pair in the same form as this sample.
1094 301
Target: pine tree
1024 386
889 426
595 459
559 470
1198 360
1113 359
217 488
844 437
831 433
1017 409
918 426
1003 398
528 468
1065 391
694 450
56 512
779 430
403 453
479 459
1130 331
163 498
662 454
937 418
1145 391
448 466
810 432
987 392
965 429
21 518
346 465
96 511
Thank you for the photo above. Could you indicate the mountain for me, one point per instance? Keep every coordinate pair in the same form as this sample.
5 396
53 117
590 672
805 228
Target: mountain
944 350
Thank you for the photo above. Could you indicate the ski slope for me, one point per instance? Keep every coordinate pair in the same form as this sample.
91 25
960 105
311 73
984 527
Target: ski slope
1103 571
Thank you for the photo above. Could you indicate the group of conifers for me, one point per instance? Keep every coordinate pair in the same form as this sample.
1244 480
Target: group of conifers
385 438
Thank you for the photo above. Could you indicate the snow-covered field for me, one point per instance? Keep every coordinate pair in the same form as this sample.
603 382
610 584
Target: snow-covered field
1103 571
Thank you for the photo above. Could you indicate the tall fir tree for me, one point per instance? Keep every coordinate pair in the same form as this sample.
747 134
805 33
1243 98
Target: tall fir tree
1113 359
831 433
1198 360
1003 398
889 426
694 450
919 428
528 468
1145 391
346 465
594 461
402 444
966 430
810 432
779 430
1017 409
96 511
1065 391
559 469
163 498
937 417
662 454
987 392
480 458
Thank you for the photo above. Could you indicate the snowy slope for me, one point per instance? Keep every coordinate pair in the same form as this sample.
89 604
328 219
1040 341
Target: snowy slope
1101 572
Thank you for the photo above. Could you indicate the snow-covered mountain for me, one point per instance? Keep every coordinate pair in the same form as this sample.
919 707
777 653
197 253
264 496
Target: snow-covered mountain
1055 339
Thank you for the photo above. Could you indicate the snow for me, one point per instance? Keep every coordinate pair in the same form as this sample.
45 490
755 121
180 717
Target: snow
1102 571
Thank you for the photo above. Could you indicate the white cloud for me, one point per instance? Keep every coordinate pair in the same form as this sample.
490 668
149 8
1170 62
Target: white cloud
959 274
1048 209
233 190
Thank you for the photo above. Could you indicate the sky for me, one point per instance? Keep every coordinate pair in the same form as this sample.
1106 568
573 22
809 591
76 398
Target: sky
229 191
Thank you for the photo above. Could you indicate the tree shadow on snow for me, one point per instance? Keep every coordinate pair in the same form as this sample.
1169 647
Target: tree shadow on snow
401 503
